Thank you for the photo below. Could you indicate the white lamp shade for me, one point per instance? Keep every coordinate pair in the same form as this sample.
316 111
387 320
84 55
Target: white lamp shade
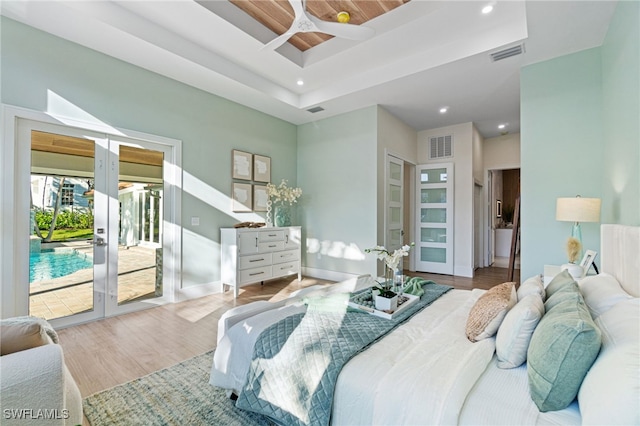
578 209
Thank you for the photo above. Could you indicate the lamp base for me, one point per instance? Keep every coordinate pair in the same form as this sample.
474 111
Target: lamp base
576 232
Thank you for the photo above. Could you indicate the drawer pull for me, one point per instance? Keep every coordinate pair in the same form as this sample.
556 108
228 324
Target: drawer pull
256 273
256 260
272 246
273 235
286 267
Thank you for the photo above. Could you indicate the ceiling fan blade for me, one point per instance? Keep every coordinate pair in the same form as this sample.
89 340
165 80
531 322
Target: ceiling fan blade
298 8
279 41
348 31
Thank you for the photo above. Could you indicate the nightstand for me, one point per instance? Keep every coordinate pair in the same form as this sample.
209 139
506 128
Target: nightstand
550 271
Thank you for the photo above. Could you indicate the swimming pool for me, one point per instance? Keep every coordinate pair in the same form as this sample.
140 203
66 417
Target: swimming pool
56 263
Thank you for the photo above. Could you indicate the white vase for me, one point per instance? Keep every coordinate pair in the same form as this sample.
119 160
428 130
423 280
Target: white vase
576 271
386 304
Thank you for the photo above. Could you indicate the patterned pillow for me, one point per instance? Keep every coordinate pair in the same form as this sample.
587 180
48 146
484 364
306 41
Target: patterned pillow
487 313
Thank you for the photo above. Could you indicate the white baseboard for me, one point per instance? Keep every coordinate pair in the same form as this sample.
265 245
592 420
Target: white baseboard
324 274
463 271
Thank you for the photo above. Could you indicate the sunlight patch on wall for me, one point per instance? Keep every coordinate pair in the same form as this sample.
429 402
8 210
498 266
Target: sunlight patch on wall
335 249
216 199
69 113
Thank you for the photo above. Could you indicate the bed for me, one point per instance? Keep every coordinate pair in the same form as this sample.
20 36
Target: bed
565 354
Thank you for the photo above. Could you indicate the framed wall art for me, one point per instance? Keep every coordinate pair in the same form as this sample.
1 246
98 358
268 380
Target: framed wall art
260 198
241 196
242 164
261 168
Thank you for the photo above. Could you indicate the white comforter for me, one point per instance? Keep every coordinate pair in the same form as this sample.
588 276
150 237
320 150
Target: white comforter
420 373
424 372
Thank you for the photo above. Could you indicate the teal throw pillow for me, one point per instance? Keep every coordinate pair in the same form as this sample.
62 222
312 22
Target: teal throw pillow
563 347
559 281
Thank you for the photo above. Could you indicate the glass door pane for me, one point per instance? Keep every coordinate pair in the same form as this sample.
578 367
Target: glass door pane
435 218
61 249
140 211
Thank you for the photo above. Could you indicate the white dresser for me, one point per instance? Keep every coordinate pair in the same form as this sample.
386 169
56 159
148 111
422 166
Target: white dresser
251 255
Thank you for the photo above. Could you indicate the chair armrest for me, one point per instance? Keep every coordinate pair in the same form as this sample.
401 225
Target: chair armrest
36 380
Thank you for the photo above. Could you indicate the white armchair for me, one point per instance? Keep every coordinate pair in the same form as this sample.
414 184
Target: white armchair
35 385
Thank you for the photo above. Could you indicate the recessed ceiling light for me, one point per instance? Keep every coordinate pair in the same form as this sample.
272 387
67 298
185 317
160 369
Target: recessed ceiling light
487 9
300 82
502 126
444 110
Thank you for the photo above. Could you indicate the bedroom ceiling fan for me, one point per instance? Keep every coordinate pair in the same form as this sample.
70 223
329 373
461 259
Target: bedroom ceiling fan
306 23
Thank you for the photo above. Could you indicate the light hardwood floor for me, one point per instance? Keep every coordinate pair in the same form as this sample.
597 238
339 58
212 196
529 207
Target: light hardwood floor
112 351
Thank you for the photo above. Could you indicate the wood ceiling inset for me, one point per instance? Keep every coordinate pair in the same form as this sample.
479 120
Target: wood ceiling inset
61 144
277 15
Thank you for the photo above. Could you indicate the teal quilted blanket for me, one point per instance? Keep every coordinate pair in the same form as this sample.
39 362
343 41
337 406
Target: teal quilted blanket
296 361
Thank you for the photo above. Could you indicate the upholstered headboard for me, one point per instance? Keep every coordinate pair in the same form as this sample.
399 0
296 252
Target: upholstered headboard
620 247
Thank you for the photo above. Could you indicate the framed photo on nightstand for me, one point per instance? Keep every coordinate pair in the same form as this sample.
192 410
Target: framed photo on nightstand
587 260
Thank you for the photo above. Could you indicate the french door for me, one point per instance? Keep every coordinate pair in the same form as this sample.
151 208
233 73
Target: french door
96 229
435 218
394 203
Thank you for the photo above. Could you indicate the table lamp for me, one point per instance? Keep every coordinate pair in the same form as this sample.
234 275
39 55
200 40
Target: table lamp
576 210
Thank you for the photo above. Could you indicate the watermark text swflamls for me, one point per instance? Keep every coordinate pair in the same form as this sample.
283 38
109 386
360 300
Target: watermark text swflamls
31 414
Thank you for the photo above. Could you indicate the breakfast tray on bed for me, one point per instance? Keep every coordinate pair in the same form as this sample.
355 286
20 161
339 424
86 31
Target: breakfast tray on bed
363 300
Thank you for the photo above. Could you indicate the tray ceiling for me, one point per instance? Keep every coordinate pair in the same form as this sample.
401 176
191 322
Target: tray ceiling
277 15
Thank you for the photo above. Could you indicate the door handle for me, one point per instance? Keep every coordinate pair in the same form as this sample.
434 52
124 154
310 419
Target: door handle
98 242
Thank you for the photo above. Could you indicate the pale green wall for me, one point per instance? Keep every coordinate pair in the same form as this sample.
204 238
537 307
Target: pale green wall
621 107
561 147
338 210
34 64
581 135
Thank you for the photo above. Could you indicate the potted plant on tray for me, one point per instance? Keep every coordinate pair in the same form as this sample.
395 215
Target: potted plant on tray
387 299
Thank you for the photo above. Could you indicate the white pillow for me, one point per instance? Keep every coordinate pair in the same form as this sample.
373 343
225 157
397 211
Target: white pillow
601 292
514 334
533 285
610 393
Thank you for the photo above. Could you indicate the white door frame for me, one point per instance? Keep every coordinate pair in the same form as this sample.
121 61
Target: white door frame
14 205
408 202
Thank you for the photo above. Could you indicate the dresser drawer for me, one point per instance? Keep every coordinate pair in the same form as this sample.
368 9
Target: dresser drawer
275 235
254 261
286 268
255 274
270 246
286 256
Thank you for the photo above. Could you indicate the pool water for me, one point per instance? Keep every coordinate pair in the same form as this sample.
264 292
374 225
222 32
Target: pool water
50 264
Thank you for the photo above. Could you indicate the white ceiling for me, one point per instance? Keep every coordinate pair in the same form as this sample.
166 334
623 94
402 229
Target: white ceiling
425 54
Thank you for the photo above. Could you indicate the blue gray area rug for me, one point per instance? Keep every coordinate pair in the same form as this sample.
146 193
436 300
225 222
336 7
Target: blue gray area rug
178 395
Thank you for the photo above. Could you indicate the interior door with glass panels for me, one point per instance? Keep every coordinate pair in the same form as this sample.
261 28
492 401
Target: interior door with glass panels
435 218
394 203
